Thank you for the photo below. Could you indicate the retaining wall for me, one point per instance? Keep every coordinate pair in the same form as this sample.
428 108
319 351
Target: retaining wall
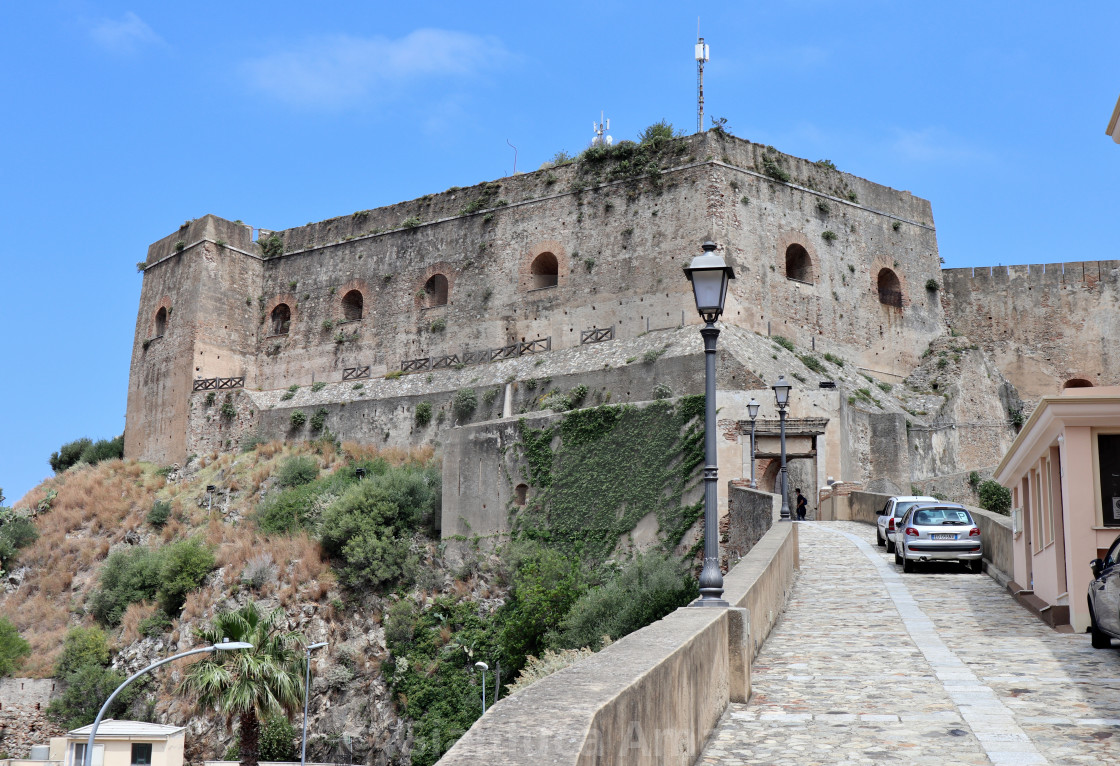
655 695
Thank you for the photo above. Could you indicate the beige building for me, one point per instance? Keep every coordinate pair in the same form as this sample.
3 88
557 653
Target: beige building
122 743
1063 471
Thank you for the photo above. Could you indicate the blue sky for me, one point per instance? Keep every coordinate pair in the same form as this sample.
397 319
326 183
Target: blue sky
121 120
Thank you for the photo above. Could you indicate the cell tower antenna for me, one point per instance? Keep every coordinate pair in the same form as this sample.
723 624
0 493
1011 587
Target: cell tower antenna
702 56
600 129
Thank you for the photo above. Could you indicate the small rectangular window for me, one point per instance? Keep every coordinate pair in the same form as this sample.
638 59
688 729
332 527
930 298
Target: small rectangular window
141 754
1108 453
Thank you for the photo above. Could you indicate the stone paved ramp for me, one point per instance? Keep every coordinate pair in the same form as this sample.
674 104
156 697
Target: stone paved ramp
868 665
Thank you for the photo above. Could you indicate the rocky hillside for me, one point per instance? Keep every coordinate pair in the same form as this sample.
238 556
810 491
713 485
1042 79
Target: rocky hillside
90 512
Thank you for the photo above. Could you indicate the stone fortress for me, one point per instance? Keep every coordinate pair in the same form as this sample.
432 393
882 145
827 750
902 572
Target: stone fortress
486 303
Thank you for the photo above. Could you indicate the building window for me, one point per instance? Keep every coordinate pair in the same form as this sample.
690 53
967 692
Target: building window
141 754
352 305
1108 453
79 754
545 271
281 319
890 289
799 265
161 321
436 290
521 493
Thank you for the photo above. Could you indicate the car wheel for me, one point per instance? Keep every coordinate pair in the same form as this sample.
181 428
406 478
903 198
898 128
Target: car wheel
977 566
907 565
1099 638
879 539
890 547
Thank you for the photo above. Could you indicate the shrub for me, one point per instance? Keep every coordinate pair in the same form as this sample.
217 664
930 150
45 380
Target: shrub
662 391
577 395
15 532
896 225
439 325
653 355
85 691
290 393
411 222
646 589
823 207
995 497
828 235
319 419
423 414
785 343
258 571
82 647
812 363
271 246
69 454
210 397
158 515
298 419
368 531
184 565
659 131
400 623
464 403
931 285
155 624
277 740
834 359
13 648
297 470
974 479
228 411
128 577
318 386
545 585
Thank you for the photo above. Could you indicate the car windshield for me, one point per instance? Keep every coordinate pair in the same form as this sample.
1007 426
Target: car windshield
931 517
903 507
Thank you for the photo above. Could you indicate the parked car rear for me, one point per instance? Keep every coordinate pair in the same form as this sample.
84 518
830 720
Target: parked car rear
940 532
1104 598
891 513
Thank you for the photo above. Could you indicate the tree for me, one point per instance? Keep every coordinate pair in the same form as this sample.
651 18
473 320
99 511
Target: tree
658 131
994 497
82 667
252 684
13 648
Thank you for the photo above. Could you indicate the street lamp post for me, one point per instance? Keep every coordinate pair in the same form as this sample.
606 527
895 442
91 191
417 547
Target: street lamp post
709 275
483 667
306 686
752 410
781 393
223 646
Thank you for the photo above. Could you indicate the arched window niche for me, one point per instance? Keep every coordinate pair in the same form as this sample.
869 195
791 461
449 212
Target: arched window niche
799 266
436 290
281 319
545 271
890 289
353 305
161 322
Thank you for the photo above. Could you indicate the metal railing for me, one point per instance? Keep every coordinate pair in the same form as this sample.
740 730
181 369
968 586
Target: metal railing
596 335
451 361
218 384
354 373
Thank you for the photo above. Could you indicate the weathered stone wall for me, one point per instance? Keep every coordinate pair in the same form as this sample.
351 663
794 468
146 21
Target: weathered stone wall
619 244
1044 324
750 514
23 719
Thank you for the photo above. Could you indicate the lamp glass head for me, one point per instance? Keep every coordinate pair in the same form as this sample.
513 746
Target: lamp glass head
709 275
227 645
752 408
781 391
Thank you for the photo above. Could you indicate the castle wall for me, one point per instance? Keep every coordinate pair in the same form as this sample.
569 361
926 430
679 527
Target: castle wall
23 714
619 241
1042 324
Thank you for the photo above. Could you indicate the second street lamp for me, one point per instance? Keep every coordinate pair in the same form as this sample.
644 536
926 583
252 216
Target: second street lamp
781 393
752 410
709 275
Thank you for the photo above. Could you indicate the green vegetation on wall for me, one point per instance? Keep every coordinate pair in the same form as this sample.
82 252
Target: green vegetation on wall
613 465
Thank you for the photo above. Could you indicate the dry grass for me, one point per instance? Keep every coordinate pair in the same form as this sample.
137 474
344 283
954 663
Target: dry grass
130 621
395 456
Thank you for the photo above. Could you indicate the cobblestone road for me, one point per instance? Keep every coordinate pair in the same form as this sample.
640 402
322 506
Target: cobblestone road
868 665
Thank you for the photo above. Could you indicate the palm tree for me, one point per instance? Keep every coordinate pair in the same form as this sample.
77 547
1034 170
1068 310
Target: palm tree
251 684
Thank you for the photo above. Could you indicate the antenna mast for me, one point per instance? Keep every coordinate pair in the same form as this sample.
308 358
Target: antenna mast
701 57
600 128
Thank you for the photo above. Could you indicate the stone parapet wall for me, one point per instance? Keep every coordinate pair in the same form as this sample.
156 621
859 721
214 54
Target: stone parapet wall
651 697
750 515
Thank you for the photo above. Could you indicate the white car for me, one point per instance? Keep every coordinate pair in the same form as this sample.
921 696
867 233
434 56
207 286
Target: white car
890 515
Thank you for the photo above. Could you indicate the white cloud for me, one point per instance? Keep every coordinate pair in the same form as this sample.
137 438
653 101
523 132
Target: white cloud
334 71
933 144
125 35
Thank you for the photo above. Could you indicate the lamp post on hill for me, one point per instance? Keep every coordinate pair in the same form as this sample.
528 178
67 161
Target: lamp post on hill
225 645
709 275
307 685
781 393
752 410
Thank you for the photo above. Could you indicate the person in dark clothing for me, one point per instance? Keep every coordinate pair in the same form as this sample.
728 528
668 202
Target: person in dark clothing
802 505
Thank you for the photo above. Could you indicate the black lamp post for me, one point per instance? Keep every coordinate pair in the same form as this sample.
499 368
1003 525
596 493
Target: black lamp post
781 393
709 275
752 410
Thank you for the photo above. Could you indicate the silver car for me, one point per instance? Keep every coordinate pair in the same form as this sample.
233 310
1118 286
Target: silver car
890 515
938 532
1104 598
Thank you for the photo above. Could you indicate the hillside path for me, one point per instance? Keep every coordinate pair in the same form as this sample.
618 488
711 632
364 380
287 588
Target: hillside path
870 665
